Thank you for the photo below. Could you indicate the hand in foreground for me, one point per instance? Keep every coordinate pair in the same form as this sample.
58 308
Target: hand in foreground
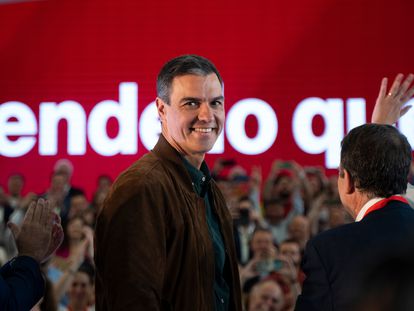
40 233
389 106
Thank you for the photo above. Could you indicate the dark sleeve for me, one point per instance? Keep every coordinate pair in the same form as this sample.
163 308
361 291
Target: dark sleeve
316 291
131 249
21 284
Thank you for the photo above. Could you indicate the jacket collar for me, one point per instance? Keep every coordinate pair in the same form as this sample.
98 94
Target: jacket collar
172 158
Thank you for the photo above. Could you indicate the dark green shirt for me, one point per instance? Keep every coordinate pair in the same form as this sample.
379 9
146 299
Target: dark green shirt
201 180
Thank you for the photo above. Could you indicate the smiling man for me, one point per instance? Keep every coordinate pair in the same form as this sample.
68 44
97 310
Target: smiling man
164 237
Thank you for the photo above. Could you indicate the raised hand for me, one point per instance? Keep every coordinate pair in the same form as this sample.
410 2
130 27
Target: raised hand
389 105
40 233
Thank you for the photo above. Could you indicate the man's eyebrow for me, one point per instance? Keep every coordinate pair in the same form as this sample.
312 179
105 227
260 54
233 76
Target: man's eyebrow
221 98
190 99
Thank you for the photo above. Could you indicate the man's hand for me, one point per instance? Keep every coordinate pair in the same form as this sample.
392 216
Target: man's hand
389 106
40 233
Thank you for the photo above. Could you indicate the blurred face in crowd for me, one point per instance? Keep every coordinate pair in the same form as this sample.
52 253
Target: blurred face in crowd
275 212
266 296
80 292
292 251
194 117
262 243
284 187
15 185
57 185
75 228
299 229
315 182
78 204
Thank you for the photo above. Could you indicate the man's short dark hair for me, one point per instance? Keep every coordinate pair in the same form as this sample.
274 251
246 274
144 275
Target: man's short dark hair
179 66
378 159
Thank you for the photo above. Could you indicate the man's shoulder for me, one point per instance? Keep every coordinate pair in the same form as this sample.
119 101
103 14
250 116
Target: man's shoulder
332 235
147 170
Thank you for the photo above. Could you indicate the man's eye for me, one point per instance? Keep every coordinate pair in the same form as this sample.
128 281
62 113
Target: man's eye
216 103
191 104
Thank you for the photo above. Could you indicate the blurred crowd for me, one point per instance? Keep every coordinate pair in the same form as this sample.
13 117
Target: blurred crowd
274 215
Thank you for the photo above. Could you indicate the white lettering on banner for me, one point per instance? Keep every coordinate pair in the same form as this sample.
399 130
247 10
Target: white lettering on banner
355 113
25 125
126 112
267 126
331 110
149 126
49 116
18 120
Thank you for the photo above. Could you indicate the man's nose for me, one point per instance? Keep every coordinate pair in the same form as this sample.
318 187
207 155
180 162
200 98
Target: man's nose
205 113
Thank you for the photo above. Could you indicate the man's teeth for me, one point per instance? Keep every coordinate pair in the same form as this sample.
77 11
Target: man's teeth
203 130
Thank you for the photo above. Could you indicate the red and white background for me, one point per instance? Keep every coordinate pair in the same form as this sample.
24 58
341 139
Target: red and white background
77 78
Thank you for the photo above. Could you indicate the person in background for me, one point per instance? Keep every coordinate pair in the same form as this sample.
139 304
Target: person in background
374 166
266 295
299 230
81 290
291 249
77 247
64 168
244 225
40 234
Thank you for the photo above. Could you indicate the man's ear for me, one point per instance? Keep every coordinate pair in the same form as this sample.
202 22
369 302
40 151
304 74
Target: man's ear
348 183
160 108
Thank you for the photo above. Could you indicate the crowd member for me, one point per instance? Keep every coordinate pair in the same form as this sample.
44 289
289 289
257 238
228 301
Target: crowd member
374 165
21 281
316 186
267 295
78 205
102 190
282 197
299 230
291 249
164 236
81 291
263 253
64 168
77 247
244 225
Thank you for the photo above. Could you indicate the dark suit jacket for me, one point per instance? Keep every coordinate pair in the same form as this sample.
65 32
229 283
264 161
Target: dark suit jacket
335 259
21 284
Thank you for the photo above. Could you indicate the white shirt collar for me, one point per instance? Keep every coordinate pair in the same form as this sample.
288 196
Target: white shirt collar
366 207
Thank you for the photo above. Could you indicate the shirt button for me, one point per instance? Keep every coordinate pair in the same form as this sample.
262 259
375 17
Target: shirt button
222 300
203 179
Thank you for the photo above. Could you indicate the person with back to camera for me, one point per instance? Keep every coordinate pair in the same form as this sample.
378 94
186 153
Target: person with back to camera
374 165
21 282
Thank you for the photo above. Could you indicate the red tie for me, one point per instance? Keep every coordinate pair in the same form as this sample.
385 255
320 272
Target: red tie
383 202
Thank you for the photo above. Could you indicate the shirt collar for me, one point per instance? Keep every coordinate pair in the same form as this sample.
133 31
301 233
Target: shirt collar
199 178
366 207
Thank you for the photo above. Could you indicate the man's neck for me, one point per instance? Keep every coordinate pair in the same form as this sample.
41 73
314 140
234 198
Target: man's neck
194 160
357 203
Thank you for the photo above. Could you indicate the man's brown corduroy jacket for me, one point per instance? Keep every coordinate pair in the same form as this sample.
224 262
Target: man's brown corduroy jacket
153 248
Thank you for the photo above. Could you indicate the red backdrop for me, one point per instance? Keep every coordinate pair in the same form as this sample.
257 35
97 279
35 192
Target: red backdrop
277 51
